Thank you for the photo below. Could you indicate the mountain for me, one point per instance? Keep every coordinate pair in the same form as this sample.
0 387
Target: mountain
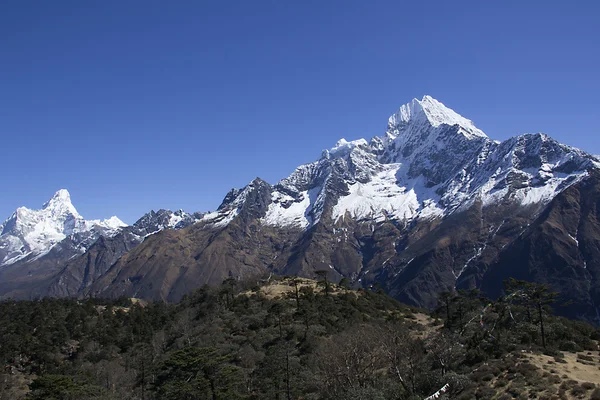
433 204
559 248
80 272
39 249
29 234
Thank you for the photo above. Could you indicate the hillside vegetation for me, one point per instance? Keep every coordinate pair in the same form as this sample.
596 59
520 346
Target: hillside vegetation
290 338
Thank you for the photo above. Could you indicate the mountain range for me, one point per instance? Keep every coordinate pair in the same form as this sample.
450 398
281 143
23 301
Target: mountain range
433 204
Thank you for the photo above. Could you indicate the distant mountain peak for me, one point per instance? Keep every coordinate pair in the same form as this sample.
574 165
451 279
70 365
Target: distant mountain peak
343 147
156 221
431 162
60 203
429 110
429 204
30 232
61 194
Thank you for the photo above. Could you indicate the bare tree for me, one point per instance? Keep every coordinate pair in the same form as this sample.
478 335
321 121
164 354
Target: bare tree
405 355
322 273
445 351
351 359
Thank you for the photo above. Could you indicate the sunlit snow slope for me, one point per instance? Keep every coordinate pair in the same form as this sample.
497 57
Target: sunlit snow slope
430 162
32 233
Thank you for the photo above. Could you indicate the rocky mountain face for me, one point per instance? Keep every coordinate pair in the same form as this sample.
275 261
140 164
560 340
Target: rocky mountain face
560 248
433 204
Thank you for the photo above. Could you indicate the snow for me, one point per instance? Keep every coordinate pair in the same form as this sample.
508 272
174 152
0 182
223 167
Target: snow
429 163
414 142
60 204
174 219
344 147
435 113
542 194
383 198
294 215
421 168
112 223
228 211
553 185
35 232
477 253
152 233
574 239
220 219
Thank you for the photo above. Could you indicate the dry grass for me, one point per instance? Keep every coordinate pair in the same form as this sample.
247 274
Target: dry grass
428 324
572 368
576 376
285 288
524 375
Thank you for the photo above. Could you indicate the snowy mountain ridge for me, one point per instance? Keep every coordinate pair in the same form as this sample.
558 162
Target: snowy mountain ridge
430 204
430 162
32 233
156 221
429 110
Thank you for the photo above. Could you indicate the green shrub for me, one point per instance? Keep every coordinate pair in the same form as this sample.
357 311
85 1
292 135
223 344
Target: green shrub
569 346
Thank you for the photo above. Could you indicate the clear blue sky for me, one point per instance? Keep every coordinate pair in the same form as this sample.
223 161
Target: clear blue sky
139 105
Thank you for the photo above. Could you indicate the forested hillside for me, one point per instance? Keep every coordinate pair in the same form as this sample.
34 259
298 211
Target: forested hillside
291 338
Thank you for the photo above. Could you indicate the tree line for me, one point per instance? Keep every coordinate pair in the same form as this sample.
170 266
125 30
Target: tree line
235 342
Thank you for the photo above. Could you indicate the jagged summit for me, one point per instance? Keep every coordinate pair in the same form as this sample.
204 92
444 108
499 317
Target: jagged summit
29 233
430 162
61 196
430 204
155 221
343 147
60 203
432 112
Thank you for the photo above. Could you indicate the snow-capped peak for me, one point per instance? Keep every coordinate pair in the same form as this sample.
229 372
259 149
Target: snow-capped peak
61 195
343 146
430 162
435 113
111 223
60 204
34 232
